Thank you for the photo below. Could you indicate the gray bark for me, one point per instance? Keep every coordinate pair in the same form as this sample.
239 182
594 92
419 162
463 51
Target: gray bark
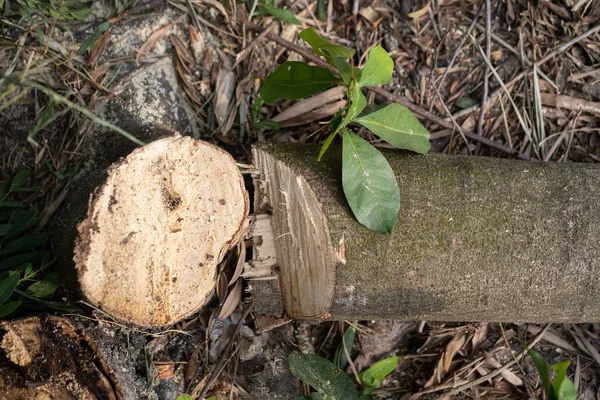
477 239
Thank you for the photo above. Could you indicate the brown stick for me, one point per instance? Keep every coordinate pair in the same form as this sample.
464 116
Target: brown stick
304 52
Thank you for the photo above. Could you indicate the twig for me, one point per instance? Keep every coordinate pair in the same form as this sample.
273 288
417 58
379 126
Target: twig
497 372
244 53
486 73
303 51
460 129
503 86
539 63
510 48
223 359
460 46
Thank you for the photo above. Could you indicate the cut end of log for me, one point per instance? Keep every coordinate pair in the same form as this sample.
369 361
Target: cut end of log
148 251
305 254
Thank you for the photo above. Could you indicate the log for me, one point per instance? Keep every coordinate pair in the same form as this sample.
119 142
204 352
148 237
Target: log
49 357
477 239
155 231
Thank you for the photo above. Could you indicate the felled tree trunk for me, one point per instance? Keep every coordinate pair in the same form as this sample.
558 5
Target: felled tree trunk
155 231
477 239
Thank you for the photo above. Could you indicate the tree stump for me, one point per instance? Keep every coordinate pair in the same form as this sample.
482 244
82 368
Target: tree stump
155 231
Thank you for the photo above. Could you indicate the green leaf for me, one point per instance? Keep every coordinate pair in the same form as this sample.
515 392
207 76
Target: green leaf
323 376
280 14
374 376
49 115
346 70
4 229
8 308
4 189
465 102
21 221
8 285
358 102
295 80
20 259
26 243
544 370
563 387
378 68
184 397
89 42
326 144
45 287
323 47
399 127
369 184
20 180
267 123
340 359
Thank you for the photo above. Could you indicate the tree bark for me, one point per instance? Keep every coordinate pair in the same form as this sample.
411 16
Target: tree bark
476 239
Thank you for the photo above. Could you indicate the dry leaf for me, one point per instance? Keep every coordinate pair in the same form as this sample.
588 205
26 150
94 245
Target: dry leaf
315 115
219 7
197 44
241 88
479 337
419 13
232 301
496 55
371 15
452 348
506 374
155 37
239 267
303 106
550 337
224 92
185 83
99 47
437 376
222 288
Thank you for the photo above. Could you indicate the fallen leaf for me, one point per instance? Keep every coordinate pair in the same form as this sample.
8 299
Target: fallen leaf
99 47
232 301
197 44
155 37
225 88
496 55
419 13
479 337
452 348
506 374
303 106
239 267
219 7
371 15
327 110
